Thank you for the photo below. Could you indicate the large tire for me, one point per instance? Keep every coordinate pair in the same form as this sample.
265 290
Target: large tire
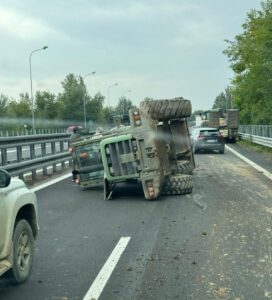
184 167
178 185
23 251
176 108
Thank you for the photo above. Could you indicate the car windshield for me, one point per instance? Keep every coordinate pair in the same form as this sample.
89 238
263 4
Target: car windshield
89 154
209 132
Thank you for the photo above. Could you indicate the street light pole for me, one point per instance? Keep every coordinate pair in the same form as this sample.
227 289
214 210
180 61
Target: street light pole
31 89
84 99
109 92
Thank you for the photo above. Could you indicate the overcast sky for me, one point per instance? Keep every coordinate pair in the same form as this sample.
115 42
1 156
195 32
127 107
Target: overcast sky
159 49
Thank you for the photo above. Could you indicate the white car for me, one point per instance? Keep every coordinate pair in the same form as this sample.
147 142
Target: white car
18 227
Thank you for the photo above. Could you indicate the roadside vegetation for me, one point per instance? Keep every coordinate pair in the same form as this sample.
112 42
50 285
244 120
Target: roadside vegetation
255 147
59 111
250 58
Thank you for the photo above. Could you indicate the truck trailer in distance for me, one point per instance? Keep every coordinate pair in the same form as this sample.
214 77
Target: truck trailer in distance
226 121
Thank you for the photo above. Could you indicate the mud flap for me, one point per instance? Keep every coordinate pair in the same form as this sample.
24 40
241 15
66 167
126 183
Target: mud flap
108 189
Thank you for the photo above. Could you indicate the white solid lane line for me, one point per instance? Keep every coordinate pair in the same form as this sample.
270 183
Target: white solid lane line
103 276
44 185
251 163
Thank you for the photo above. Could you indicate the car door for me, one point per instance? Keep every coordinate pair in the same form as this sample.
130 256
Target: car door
3 218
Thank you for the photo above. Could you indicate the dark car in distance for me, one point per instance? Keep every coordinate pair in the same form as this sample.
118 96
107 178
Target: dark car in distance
207 139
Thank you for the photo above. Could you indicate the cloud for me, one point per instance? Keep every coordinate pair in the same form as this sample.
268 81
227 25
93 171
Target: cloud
196 33
23 26
135 11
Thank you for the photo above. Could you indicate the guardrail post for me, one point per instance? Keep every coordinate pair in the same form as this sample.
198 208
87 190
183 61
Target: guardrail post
43 152
4 156
32 151
61 146
53 147
43 149
19 153
34 174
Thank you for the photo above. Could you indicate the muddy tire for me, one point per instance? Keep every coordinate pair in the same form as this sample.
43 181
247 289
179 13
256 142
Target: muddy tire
178 185
184 167
177 108
23 251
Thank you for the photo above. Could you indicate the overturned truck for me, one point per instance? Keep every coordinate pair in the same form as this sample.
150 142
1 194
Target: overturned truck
154 150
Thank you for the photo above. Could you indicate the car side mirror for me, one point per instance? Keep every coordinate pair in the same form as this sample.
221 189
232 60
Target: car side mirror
4 178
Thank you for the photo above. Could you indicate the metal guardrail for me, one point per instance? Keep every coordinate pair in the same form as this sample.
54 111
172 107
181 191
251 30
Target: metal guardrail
257 130
22 132
22 154
258 134
264 141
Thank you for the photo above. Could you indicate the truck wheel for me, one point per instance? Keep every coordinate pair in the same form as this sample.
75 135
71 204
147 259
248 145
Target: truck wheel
23 251
177 108
184 167
178 185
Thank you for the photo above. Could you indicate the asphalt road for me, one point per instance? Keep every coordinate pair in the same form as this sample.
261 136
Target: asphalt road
261 158
215 243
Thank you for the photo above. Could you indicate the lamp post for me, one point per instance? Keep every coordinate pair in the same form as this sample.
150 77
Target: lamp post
84 99
31 90
109 91
125 92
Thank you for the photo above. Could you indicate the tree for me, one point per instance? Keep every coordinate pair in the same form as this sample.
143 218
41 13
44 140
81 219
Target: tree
123 106
250 58
94 108
220 101
21 108
47 106
47 109
72 99
4 100
223 100
4 120
19 112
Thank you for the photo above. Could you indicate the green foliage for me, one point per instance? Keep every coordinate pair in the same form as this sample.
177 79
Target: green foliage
250 56
47 109
4 100
47 106
21 108
72 98
223 100
220 101
123 106
94 108
59 111
106 115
